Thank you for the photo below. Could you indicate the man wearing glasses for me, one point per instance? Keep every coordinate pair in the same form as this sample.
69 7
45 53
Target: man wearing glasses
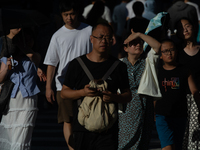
76 86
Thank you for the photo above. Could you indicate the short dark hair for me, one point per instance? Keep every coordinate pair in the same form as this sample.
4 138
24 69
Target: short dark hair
103 24
169 40
138 8
67 5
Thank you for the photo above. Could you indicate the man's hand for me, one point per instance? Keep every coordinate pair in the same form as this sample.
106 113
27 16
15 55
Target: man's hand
107 96
90 91
50 95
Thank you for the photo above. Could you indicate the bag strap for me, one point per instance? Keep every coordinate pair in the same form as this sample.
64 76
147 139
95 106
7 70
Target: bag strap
90 75
85 68
110 70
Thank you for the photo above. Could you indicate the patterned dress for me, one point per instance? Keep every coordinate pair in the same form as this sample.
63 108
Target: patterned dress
135 123
191 140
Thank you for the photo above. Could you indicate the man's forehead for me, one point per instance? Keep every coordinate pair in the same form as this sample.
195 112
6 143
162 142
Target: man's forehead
68 12
102 30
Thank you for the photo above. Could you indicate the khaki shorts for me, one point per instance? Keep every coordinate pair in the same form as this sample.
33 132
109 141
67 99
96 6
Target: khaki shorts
65 109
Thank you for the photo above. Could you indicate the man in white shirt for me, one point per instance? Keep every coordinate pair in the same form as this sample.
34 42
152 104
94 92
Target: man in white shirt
106 15
70 41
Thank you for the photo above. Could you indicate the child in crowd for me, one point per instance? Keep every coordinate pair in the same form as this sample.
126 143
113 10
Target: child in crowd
174 81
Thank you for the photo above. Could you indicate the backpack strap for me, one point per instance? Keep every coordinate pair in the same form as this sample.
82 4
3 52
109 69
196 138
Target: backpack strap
87 73
85 68
90 75
110 70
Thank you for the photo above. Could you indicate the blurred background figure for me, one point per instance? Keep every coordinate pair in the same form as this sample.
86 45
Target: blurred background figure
149 9
106 14
119 16
195 5
162 5
95 15
138 23
129 7
179 10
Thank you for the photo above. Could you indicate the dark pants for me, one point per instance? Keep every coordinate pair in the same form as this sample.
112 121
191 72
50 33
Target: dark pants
95 141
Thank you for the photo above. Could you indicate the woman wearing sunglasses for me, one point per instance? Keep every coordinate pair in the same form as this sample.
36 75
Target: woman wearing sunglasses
171 110
136 120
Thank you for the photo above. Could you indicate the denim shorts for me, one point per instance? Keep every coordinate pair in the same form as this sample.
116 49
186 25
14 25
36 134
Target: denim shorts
170 130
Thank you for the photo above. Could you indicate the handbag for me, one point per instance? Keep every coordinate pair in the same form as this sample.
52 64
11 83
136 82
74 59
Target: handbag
94 114
149 81
6 90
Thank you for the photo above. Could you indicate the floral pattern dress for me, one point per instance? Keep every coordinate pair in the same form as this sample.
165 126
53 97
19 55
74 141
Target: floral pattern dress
136 121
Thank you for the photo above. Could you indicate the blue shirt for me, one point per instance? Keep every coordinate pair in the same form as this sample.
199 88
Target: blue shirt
24 76
120 14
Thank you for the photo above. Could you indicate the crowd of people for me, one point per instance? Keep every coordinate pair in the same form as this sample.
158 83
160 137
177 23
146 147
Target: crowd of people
102 37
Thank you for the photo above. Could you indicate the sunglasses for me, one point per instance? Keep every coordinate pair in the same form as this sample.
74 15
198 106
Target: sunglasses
134 43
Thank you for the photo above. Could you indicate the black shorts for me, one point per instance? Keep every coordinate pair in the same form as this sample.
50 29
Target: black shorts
95 141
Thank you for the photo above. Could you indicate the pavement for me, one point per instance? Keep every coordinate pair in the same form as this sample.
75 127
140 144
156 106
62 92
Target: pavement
48 134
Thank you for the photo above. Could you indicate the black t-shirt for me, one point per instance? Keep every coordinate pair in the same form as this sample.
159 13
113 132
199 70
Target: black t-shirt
76 79
192 62
173 86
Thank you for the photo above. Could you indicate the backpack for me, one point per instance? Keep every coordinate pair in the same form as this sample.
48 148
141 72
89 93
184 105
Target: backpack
94 114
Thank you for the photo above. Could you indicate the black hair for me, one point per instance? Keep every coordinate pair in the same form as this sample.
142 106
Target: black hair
169 40
195 27
67 5
138 8
176 46
103 24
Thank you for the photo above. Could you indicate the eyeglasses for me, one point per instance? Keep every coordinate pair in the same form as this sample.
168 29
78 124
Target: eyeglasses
168 51
101 38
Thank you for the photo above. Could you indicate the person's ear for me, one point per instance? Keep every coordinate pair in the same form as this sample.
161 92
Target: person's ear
125 49
161 57
91 39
